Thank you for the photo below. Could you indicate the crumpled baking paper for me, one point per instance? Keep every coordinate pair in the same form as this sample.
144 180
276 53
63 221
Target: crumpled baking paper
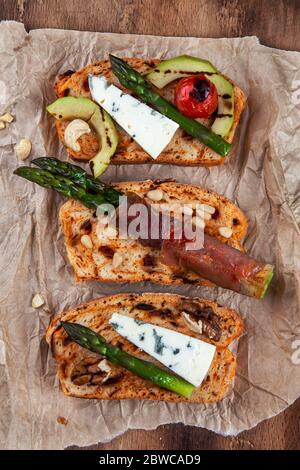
262 177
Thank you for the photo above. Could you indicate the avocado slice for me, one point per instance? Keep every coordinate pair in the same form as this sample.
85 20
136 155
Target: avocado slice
225 115
183 66
71 107
105 127
177 67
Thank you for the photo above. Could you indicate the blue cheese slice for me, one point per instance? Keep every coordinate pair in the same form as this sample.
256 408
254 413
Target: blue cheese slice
150 129
186 356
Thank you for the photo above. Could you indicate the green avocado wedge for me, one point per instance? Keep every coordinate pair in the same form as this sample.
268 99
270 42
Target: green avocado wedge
183 66
178 67
71 107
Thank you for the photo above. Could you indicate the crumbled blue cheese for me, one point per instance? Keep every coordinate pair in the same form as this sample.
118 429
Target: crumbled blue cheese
186 356
150 129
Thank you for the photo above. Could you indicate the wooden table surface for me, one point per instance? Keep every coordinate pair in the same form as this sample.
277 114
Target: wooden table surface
277 24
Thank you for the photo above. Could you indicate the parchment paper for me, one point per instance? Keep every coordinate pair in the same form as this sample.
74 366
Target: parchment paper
262 177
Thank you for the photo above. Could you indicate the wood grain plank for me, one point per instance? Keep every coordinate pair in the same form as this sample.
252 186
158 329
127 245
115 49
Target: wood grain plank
280 432
9 10
277 24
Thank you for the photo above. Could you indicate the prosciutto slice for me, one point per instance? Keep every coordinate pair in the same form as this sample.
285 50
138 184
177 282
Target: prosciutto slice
215 261
221 264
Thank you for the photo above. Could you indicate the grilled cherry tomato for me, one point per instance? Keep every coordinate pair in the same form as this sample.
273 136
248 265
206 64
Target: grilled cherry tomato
196 96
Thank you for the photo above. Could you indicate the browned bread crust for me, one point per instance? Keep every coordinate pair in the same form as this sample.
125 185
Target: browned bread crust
141 263
78 365
182 150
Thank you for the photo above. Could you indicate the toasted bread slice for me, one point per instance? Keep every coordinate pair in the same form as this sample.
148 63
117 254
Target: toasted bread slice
182 150
141 263
77 367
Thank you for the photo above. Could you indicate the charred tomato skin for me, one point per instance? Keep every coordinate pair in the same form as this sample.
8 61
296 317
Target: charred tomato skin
196 96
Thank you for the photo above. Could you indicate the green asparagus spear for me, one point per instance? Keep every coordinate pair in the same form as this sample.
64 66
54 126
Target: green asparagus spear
79 177
62 184
134 81
88 339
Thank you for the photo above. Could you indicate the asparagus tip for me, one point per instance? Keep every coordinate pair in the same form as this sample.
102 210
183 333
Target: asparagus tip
66 326
18 171
35 161
114 59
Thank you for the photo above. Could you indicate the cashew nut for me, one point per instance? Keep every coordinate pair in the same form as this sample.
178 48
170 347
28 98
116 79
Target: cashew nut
73 131
23 149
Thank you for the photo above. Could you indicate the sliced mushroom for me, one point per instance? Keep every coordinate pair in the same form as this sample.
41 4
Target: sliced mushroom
106 368
203 326
114 378
190 307
97 379
82 379
201 319
89 358
211 329
78 371
93 369
191 323
199 309
106 373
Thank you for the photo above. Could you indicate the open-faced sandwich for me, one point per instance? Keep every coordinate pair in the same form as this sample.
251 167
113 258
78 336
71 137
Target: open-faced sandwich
146 346
184 112
116 259
98 251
